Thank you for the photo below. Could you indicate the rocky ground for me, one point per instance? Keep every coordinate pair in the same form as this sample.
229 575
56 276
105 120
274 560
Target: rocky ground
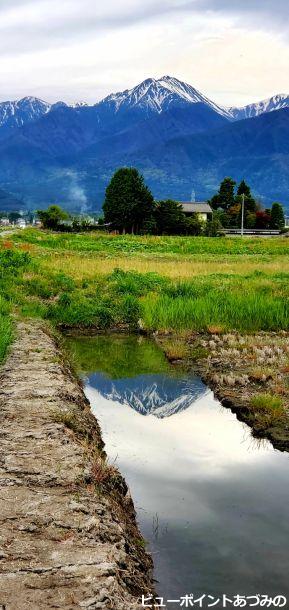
248 373
68 534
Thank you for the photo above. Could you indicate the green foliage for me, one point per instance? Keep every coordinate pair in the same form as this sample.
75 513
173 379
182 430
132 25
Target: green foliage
106 245
13 261
13 216
266 401
225 197
269 408
194 225
253 302
170 218
132 282
128 202
244 312
277 216
131 309
244 189
52 217
214 227
5 334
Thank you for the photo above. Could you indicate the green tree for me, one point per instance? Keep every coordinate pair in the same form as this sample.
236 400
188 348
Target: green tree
225 197
13 216
194 225
128 201
214 227
277 216
244 189
250 202
170 218
52 217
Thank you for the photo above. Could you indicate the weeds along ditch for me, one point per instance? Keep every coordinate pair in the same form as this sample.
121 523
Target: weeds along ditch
12 264
32 287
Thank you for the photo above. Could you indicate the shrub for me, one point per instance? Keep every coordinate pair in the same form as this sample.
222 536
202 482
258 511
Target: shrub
131 310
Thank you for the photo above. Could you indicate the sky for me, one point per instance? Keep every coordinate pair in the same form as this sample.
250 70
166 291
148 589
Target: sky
234 51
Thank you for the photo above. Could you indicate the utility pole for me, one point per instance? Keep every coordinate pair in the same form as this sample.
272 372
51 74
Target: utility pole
243 213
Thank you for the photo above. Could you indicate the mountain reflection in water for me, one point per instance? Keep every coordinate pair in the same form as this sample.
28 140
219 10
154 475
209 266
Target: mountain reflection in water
211 502
156 395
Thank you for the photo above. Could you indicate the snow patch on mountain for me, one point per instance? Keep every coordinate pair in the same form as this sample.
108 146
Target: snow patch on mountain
158 95
19 112
152 396
277 102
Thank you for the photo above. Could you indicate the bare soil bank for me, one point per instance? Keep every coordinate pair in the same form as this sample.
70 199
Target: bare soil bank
248 373
68 537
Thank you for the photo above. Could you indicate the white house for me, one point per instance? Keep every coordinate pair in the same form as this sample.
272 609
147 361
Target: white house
21 223
202 209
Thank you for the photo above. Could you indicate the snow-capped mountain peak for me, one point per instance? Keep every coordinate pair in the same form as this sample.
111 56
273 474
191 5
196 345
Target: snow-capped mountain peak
16 113
276 102
158 95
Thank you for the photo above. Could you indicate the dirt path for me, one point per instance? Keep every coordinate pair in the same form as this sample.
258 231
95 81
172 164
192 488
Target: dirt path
68 536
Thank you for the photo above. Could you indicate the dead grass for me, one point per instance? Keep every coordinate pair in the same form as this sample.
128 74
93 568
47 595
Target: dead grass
103 473
84 266
175 349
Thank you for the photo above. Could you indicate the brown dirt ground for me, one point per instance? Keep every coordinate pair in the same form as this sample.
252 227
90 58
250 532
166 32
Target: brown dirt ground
68 535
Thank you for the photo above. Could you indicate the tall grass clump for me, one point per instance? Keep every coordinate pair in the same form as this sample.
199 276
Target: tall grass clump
12 264
5 327
232 311
269 409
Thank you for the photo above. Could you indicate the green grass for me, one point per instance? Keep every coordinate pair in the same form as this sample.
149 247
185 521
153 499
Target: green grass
270 409
6 335
224 283
247 312
134 245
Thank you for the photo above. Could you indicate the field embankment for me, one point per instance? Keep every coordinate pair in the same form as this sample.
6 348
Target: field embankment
248 373
68 531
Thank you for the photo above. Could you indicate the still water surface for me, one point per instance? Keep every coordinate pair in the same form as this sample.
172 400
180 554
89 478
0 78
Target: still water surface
212 503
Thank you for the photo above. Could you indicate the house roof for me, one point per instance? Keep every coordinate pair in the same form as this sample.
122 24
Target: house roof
199 207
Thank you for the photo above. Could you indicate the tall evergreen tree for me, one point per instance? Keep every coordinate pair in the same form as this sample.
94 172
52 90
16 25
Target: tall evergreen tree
129 203
244 189
277 216
250 202
225 196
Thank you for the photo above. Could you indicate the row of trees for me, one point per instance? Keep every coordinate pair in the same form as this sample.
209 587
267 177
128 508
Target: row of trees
227 204
129 207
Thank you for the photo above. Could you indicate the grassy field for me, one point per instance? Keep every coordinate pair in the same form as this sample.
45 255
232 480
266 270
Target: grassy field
167 283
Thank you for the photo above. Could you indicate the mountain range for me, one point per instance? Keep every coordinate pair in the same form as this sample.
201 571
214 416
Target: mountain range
181 141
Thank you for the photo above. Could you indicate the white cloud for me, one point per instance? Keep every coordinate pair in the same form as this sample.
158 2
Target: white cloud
84 50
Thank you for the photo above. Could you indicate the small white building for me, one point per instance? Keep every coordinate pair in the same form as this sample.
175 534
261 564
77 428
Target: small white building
21 223
202 209
286 222
4 222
